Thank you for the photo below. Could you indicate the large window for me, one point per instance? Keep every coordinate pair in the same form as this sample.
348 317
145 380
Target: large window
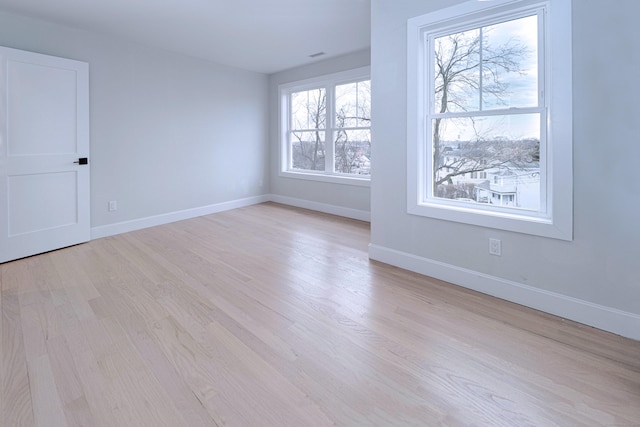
326 128
490 115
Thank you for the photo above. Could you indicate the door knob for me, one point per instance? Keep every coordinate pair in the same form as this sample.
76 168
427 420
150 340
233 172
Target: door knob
82 161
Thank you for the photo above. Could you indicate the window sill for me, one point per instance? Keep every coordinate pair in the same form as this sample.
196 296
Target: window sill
519 223
333 179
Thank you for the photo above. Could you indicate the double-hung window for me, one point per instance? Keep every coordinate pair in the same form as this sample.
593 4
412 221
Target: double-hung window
489 123
326 128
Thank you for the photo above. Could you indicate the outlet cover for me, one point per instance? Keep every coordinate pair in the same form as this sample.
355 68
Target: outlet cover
495 247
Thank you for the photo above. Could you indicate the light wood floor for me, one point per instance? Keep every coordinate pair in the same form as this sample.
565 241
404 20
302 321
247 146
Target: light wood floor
274 316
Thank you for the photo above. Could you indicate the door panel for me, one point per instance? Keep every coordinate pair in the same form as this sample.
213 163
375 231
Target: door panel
57 192
44 129
41 109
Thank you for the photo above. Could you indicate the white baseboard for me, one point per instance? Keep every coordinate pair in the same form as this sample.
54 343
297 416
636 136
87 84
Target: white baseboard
152 221
323 207
609 319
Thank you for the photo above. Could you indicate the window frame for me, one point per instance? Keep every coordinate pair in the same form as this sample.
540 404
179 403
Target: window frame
329 83
555 218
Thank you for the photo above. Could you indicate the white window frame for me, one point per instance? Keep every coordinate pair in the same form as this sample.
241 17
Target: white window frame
328 82
555 219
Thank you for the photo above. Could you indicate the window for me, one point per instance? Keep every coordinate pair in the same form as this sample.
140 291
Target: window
326 128
490 123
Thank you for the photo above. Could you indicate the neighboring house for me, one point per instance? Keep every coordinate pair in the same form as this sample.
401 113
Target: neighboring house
361 165
514 188
511 185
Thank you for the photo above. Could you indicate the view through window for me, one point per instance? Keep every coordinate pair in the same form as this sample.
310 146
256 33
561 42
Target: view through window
328 127
486 112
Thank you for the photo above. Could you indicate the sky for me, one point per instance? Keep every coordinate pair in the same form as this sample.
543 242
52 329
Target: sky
522 88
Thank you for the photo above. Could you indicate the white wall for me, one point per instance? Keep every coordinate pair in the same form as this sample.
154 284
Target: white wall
168 132
348 200
594 279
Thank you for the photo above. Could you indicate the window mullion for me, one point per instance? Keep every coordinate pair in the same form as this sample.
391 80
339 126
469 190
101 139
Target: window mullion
545 168
289 133
487 113
329 145
542 67
480 74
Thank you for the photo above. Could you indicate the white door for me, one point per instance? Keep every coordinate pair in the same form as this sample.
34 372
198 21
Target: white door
44 141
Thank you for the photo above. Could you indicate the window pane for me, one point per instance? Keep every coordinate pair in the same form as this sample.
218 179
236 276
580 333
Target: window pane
353 152
307 150
510 64
493 160
506 54
457 75
353 104
309 109
364 103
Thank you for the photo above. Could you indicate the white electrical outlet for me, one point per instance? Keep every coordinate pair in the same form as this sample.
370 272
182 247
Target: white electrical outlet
113 206
495 247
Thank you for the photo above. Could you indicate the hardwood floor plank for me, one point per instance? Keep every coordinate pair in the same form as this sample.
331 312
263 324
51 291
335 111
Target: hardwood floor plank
100 397
274 316
46 400
75 404
17 405
172 381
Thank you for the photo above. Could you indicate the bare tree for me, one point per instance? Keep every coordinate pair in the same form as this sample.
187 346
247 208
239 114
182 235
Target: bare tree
309 152
353 111
469 71
352 116
352 149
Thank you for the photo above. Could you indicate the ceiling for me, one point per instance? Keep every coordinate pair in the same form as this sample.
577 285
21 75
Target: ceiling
258 35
